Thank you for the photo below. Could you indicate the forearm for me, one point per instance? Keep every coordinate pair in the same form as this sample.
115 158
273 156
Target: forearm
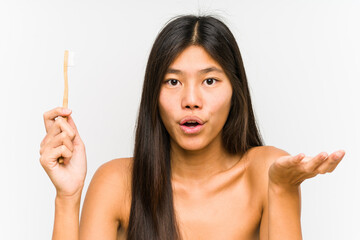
66 225
284 213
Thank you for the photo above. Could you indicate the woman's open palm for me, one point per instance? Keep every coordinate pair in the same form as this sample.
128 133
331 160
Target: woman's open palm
63 139
290 171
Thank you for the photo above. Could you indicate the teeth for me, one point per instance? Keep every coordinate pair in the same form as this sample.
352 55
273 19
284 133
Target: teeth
191 122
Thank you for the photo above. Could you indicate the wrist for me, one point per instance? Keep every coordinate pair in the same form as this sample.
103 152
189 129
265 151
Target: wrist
68 199
67 203
283 188
69 195
67 211
67 207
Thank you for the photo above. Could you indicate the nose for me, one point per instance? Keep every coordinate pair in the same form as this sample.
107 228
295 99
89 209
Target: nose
191 98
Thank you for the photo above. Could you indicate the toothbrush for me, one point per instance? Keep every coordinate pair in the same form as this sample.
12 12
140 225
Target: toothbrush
68 62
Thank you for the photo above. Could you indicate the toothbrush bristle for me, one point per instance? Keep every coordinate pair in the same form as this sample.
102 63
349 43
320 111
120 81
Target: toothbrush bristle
71 59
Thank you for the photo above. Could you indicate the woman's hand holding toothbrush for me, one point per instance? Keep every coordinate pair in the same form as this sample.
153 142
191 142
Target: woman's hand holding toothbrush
63 139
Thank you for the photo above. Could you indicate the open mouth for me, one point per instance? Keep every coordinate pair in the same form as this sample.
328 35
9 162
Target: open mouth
191 124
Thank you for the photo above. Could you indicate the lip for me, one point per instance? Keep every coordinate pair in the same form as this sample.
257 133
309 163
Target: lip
191 118
191 130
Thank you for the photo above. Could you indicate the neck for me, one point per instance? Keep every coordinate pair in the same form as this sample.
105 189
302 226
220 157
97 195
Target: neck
200 165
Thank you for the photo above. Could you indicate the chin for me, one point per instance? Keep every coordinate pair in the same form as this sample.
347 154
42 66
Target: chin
190 145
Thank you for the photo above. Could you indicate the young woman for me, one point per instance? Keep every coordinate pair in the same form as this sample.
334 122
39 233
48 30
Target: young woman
200 170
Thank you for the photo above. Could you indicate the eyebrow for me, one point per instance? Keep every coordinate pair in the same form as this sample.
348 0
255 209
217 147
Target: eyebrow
202 71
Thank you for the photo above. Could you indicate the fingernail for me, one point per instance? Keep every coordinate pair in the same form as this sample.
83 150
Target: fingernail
300 156
338 156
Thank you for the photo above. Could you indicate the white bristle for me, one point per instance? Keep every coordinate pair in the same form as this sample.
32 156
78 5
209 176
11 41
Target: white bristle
71 60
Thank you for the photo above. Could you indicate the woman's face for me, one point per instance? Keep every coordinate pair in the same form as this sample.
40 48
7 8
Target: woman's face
195 99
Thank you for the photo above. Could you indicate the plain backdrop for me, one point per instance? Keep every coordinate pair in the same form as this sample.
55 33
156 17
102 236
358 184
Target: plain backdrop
303 67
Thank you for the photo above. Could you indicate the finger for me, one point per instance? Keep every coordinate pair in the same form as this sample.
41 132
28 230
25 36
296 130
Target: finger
339 156
331 162
54 131
48 138
65 127
77 139
60 139
58 127
62 151
298 158
49 117
290 161
44 141
49 158
72 123
61 125
312 164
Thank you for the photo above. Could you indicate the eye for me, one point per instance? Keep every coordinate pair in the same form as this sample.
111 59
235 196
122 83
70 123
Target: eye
173 82
210 81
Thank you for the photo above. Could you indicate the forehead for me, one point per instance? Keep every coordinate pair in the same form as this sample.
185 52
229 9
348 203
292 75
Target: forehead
194 58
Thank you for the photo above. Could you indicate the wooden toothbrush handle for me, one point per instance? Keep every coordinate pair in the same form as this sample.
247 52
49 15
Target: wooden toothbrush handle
66 91
61 159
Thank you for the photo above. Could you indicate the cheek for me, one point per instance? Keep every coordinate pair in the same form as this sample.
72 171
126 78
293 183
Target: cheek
220 105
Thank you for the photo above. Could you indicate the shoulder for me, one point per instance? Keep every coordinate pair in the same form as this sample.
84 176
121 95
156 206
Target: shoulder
113 178
259 159
113 175
108 199
262 157
114 171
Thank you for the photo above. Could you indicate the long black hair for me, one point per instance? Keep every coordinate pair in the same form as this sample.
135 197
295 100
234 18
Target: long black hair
152 214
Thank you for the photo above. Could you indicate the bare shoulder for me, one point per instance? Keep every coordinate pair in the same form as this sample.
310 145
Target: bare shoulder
262 157
259 161
107 200
114 175
114 171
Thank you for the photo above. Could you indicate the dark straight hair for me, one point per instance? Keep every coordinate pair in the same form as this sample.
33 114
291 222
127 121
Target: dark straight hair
152 215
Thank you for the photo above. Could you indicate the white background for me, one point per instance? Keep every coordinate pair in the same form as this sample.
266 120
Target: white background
303 67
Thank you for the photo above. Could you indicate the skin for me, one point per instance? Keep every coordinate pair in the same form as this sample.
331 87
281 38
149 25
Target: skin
216 195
